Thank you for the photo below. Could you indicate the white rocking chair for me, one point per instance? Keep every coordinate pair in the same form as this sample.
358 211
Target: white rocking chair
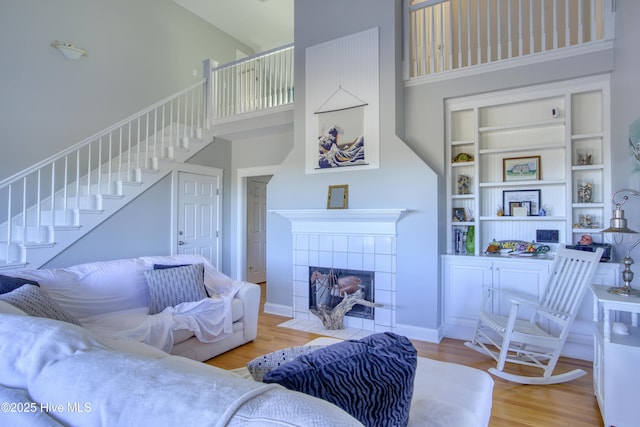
529 342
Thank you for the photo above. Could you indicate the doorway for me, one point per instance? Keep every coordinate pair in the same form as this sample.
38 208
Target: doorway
256 227
240 269
197 227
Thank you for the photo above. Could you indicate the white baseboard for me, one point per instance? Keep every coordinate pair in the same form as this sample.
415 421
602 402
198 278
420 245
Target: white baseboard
417 333
278 309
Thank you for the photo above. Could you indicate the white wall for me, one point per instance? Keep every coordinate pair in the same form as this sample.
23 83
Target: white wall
139 53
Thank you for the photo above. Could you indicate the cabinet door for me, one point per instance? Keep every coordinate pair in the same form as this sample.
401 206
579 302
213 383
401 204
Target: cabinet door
525 278
464 278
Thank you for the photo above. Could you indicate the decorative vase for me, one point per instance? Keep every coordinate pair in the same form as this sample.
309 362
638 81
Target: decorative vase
470 244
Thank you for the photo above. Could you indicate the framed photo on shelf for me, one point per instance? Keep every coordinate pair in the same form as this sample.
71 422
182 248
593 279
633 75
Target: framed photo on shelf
529 199
458 215
521 168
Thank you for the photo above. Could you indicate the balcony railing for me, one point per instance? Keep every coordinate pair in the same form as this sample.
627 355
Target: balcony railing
252 84
446 35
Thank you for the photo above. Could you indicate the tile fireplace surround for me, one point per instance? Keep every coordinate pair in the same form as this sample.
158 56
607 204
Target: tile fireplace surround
358 239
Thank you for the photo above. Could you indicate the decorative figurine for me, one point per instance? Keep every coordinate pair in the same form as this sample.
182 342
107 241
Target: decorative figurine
464 184
585 192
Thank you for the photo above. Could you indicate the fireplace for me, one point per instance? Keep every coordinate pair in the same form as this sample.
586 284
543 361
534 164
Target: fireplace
347 240
327 286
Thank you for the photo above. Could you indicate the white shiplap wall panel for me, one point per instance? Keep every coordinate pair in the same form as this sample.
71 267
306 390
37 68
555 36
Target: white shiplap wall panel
350 63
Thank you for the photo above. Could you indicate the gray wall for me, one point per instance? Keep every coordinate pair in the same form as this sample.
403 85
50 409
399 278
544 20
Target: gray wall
138 230
402 181
139 53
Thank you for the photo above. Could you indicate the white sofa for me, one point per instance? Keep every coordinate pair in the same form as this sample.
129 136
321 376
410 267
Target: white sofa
112 298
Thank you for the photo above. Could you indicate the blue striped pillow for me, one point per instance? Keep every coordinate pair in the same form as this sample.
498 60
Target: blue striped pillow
172 286
371 378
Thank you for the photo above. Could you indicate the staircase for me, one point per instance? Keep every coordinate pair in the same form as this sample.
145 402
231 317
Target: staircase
49 206
54 203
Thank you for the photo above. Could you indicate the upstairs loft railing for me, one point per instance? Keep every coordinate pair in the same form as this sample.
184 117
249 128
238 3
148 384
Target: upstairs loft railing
52 192
252 84
446 35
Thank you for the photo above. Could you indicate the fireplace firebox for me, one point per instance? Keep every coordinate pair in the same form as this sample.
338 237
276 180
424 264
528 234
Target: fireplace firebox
327 287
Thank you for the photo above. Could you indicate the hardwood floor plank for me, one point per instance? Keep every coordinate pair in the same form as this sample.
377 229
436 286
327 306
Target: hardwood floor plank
569 404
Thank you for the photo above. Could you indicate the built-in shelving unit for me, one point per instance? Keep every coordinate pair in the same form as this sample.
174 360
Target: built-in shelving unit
564 128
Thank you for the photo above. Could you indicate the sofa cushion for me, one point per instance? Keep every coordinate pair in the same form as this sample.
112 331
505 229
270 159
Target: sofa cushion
259 366
28 344
8 283
372 378
36 302
172 286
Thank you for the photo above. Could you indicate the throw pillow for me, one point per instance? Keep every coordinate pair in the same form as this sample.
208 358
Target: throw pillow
259 366
35 301
171 286
163 266
371 378
8 283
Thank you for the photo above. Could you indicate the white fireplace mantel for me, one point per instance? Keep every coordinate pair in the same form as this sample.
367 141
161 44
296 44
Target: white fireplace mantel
343 221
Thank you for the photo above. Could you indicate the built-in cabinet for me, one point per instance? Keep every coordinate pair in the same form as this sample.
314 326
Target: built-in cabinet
465 279
544 150
615 373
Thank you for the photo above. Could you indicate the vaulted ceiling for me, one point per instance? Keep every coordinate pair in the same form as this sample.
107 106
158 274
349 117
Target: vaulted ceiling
260 24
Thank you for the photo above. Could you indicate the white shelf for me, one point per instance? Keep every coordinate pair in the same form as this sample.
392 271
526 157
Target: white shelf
593 205
558 146
526 183
586 230
516 126
597 135
463 142
523 218
587 167
462 164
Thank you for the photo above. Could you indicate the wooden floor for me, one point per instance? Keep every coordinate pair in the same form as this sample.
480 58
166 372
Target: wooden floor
568 404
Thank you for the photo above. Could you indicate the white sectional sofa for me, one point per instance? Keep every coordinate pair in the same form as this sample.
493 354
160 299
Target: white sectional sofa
112 298
109 369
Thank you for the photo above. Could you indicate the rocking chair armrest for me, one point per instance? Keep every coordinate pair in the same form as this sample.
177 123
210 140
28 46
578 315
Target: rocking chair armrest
536 305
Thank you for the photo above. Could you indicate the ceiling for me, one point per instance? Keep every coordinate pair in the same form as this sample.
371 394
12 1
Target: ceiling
260 24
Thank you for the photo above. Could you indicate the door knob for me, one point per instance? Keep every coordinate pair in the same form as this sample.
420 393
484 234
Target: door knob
180 242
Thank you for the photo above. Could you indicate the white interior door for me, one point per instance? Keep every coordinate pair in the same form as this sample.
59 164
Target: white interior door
257 230
199 215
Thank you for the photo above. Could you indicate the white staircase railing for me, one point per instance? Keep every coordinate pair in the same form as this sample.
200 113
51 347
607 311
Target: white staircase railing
446 35
252 84
51 195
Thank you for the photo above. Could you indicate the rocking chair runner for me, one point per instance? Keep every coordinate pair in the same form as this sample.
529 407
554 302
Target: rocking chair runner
531 342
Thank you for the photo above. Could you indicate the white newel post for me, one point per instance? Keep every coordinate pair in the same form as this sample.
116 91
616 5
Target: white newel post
208 104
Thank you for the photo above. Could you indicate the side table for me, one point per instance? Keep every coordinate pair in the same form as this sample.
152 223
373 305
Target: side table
616 369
